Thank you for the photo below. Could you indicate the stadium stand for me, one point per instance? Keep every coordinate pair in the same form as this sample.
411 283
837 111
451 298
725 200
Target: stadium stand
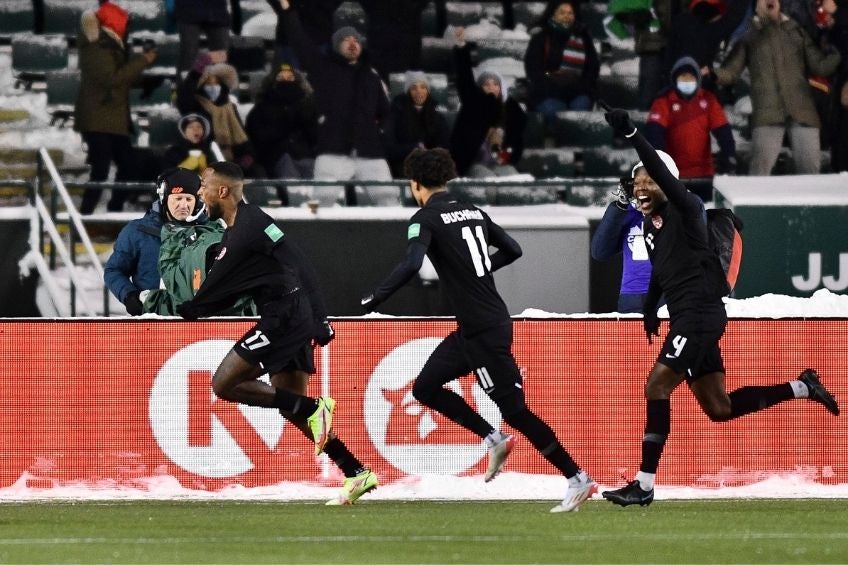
34 55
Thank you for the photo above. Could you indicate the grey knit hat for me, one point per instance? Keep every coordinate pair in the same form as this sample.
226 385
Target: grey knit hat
413 77
347 31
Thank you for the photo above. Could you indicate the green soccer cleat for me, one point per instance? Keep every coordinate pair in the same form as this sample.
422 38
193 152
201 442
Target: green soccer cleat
321 422
354 487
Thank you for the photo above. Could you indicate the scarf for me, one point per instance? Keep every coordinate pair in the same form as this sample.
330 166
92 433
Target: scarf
228 130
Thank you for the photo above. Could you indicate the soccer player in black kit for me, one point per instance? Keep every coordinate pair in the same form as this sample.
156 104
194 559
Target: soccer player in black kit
688 273
456 237
256 258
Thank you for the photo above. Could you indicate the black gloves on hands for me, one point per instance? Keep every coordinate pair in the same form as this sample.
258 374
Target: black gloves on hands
620 121
651 323
623 193
324 333
133 304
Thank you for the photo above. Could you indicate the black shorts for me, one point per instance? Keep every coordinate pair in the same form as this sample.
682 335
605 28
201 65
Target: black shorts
691 345
282 339
488 354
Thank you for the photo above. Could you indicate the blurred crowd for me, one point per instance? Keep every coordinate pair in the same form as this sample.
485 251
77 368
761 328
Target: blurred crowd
324 111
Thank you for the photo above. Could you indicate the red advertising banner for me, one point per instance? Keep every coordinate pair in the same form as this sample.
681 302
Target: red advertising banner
120 401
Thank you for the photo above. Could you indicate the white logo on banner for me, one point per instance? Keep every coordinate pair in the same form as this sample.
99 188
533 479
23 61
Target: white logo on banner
409 435
172 411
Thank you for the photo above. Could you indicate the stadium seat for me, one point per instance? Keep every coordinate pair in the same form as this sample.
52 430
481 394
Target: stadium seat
62 90
581 129
437 55
534 131
547 163
528 13
593 14
491 48
63 16
155 90
608 162
470 13
34 55
162 128
429 21
146 15
619 91
17 18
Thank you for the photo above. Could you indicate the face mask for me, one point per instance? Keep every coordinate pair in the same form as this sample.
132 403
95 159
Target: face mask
212 91
687 88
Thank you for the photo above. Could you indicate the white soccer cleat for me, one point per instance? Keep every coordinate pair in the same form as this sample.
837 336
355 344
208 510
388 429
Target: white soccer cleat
497 456
577 494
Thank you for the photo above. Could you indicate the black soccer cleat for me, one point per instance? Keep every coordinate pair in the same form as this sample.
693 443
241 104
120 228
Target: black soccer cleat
631 494
817 391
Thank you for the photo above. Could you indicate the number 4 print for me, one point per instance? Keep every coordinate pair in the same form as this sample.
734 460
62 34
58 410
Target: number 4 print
479 249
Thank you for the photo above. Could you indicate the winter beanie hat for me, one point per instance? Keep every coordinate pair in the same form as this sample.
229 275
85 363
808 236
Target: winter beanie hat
666 158
413 77
343 32
177 181
486 75
114 17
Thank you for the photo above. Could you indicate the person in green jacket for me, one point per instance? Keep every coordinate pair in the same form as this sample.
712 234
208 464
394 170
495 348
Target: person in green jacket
188 245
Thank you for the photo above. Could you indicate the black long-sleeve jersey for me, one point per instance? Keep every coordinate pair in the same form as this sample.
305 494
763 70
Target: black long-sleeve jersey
456 237
255 258
684 268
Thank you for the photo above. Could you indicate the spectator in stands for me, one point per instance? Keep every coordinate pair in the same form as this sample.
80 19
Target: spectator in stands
487 138
205 17
680 122
780 55
699 31
561 62
838 36
206 91
414 122
283 125
620 232
316 16
133 266
353 104
394 34
193 151
648 21
102 112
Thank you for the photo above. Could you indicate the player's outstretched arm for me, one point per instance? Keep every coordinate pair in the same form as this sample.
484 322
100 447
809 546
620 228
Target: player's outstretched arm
399 276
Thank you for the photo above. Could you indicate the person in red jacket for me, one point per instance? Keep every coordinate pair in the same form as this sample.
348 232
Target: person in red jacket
680 122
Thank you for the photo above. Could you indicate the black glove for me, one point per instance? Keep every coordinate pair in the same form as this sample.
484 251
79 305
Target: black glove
651 323
324 333
188 311
624 193
727 165
370 302
620 121
133 304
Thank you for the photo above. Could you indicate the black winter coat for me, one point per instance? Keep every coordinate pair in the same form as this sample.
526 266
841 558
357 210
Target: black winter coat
284 120
479 112
351 99
544 56
407 127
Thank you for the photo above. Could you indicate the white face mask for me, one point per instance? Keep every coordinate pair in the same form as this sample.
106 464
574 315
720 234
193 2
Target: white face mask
212 91
687 88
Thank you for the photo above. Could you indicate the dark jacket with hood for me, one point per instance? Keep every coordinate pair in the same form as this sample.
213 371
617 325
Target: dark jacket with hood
543 59
693 34
408 126
351 98
479 112
177 154
284 120
134 263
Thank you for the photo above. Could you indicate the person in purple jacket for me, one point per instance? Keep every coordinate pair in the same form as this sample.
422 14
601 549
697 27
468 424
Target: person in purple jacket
620 231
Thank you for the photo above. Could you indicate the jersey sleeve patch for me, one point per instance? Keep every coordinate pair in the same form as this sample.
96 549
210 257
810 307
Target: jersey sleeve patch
274 233
413 231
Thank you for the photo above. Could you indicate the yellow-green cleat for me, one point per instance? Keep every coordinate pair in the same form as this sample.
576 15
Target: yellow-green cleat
354 487
321 422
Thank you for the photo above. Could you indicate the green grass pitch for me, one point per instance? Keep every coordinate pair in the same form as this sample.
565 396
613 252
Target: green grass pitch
702 531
